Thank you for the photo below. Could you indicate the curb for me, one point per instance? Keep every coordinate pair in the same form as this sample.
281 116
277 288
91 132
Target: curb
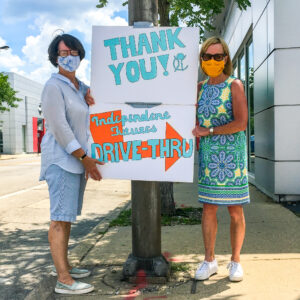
44 289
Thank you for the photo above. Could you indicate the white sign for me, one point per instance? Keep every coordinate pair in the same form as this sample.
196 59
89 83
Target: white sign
144 143
144 81
158 64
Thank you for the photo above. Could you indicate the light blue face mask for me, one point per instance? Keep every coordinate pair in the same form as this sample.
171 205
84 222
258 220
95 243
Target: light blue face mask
69 63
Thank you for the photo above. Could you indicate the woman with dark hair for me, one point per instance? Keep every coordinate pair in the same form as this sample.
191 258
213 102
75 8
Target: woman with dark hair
222 116
65 163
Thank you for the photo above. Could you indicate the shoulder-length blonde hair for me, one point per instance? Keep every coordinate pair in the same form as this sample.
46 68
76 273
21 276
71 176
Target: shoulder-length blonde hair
217 40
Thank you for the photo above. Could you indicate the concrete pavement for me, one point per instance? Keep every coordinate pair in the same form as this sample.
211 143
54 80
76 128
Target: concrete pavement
24 222
270 257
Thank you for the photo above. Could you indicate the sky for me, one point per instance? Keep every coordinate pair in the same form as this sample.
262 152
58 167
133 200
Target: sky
28 26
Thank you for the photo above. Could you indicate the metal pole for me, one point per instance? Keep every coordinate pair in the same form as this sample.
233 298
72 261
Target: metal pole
146 206
146 227
143 11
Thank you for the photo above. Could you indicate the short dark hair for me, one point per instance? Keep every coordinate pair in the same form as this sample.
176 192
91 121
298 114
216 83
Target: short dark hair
70 41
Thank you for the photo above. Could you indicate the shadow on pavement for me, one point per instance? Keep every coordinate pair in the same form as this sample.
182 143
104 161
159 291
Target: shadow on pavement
25 255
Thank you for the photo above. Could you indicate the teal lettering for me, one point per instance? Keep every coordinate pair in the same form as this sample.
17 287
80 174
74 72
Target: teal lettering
117 158
124 120
112 43
152 73
167 115
136 118
116 71
186 154
159 115
153 129
110 120
130 45
153 143
132 71
164 149
125 154
158 41
163 59
173 38
152 117
125 131
135 155
143 42
115 131
175 147
95 119
100 152
108 149
144 116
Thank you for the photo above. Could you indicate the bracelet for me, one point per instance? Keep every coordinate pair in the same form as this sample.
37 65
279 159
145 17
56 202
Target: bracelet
211 131
82 157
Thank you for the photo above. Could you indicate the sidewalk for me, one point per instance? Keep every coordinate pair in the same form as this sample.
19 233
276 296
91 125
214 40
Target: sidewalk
22 155
270 257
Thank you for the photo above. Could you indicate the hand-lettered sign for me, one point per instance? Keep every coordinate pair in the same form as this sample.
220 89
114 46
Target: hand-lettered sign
144 82
158 64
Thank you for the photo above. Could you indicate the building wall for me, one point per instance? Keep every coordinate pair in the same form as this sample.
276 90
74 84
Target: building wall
273 25
14 120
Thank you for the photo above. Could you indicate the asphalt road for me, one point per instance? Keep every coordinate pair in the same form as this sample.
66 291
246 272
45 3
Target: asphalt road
19 174
24 222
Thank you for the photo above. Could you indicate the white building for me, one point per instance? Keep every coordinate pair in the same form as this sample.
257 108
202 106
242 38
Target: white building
22 128
264 42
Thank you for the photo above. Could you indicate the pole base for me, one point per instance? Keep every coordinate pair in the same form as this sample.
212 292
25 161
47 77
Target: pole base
155 269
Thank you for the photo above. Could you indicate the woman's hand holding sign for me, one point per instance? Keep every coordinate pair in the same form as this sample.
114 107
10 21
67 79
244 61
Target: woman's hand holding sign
200 131
89 99
90 166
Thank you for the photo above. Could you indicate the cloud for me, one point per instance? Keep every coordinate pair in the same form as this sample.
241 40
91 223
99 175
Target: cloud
42 73
14 10
83 71
7 59
51 17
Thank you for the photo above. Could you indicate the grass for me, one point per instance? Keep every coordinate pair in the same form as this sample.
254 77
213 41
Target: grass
179 267
183 216
124 219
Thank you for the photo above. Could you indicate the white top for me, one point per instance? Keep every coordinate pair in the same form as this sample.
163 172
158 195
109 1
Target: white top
67 124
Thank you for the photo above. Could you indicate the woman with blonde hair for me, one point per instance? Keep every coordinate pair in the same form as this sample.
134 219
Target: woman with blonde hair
222 117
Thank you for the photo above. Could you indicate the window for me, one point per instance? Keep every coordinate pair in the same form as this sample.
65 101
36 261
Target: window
235 71
24 138
40 124
243 69
250 131
1 141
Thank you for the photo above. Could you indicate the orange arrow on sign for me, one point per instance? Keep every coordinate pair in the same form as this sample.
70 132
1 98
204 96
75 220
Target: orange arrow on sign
102 134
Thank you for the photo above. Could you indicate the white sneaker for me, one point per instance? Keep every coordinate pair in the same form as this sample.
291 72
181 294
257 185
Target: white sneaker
206 269
235 271
77 288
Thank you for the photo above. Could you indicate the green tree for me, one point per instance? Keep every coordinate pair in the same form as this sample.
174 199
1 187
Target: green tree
8 97
197 13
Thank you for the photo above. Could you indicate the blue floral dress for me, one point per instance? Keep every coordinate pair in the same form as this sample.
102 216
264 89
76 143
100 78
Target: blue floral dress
223 177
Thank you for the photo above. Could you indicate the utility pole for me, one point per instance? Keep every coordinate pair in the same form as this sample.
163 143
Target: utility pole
146 206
